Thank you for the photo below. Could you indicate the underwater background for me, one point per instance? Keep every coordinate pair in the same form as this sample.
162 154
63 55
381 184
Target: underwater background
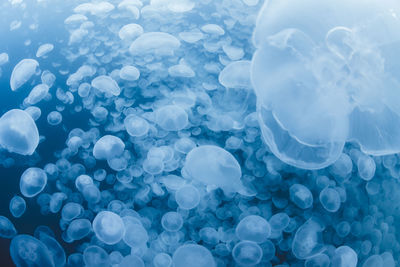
199 133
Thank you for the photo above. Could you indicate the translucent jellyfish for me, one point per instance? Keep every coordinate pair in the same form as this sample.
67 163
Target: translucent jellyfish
213 165
95 256
44 49
91 193
192 255
7 228
132 260
330 199
18 132
247 253
108 227
129 73
79 229
22 72
388 260
38 93
366 167
253 228
279 221
162 260
187 197
345 257
26 250
54 118
307 241
213 29
17 206
136 126
172 221
171 118
181 70
158 43
181 6
82 181
135 234
236 75
48 78
33 181
192 36
3 58
321 260
308 105
341 169
71 210
95 9
56 251
130 32
75 19
84 89
108 147
107 85
373 261
301 196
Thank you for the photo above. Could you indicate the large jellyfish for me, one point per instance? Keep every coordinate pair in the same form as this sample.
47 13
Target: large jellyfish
322 81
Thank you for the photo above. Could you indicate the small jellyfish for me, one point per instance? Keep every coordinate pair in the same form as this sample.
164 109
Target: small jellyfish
344 256
135 234
301 196
108 227
321 260
3 58
71 210
136 126
91 193
187 197
279 221
7 228
18 132
17 206
84 90
162 260
373 261
236 75
209 235
82 181
342 168
33 181
44 49
38 93
95 256
131 260
56 251
247 253
158 43
34 112
366 167
129 73
171 118
26 250
330 199
22 72
307 241
129 32
253 228
192 255
54 118
107 85
172 221
108 147
213 165
79 229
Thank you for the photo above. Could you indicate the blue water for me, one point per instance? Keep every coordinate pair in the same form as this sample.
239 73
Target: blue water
242 133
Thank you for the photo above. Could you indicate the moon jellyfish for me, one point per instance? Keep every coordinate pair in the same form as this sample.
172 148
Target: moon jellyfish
162 260
135 234
301 196
129 32
7 228
18 132
330 199
187 197
44 49
172 221
17 206
26 250
54 118
253 228
344 256
236 75
38 93
33 181
192 255
307 241
108 227
94 256
171 118
79 229
22 72
157 43
136 126
129 73
107 85
247 253
108 147
212 165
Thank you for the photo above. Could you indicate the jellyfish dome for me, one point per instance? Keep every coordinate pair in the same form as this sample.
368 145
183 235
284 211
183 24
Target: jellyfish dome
108 227
321 82
18 132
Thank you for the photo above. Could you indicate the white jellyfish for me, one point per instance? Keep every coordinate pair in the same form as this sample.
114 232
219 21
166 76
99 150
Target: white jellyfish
18 132
22 72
